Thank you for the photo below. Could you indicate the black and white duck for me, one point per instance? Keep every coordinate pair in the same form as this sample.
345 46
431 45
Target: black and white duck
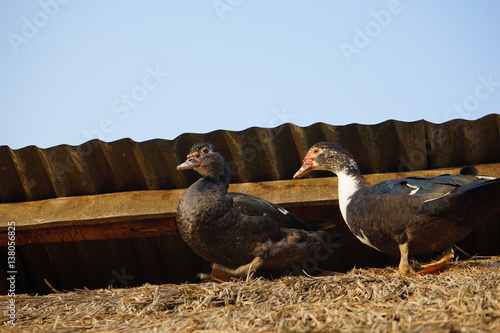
407 216
238 232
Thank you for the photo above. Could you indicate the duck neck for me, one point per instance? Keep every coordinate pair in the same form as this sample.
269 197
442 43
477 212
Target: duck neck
218 184
350 181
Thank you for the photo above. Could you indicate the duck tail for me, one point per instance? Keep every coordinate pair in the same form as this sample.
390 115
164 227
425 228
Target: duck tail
484 193
320 225
332 241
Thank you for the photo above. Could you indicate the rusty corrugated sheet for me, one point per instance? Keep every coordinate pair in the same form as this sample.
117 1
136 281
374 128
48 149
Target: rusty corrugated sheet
255 154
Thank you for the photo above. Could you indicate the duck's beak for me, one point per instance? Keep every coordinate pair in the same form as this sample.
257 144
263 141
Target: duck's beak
190 163
307 166
304 169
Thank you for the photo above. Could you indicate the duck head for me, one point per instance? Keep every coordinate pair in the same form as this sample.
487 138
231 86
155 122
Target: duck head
326 156
207 160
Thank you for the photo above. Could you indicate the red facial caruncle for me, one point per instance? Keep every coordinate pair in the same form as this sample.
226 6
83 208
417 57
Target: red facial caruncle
195 156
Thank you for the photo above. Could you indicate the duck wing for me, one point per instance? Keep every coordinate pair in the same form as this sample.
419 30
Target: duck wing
461 199
427 188
253 206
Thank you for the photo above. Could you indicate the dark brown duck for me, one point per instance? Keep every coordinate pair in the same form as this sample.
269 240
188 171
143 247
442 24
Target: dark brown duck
239 232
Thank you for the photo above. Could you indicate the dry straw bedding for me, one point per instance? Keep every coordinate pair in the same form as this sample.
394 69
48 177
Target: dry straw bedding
465 298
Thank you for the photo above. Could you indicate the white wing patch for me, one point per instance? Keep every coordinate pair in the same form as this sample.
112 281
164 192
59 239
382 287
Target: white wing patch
283 210
415 188
365 240
486 177
437 197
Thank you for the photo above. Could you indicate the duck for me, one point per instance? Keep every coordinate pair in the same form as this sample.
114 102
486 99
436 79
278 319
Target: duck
407 216
240 233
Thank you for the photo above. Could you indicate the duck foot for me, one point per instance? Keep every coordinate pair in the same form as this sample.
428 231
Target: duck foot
404 265
221 273
242 271
216 275
440 265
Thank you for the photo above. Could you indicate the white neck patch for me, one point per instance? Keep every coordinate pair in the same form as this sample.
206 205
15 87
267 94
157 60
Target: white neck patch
348 185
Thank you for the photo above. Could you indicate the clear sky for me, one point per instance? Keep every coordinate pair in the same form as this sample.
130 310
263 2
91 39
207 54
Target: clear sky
74 70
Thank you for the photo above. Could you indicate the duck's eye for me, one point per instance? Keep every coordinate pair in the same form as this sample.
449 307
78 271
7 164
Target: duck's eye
205 150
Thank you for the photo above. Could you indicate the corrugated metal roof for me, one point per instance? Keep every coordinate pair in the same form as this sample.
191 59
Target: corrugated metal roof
255 154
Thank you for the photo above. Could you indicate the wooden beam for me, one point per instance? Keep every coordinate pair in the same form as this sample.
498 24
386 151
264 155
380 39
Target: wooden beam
115 209
149 228
140 205
90 209
75 233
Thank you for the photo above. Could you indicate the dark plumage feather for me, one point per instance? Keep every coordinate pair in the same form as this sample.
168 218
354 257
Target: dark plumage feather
253 206
469 170
231 229
407 216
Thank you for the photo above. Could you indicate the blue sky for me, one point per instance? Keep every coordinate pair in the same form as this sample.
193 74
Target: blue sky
75 70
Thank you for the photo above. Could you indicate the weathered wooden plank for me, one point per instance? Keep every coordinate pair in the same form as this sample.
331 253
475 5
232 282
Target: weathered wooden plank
148 228
85 232
90 209
140 205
